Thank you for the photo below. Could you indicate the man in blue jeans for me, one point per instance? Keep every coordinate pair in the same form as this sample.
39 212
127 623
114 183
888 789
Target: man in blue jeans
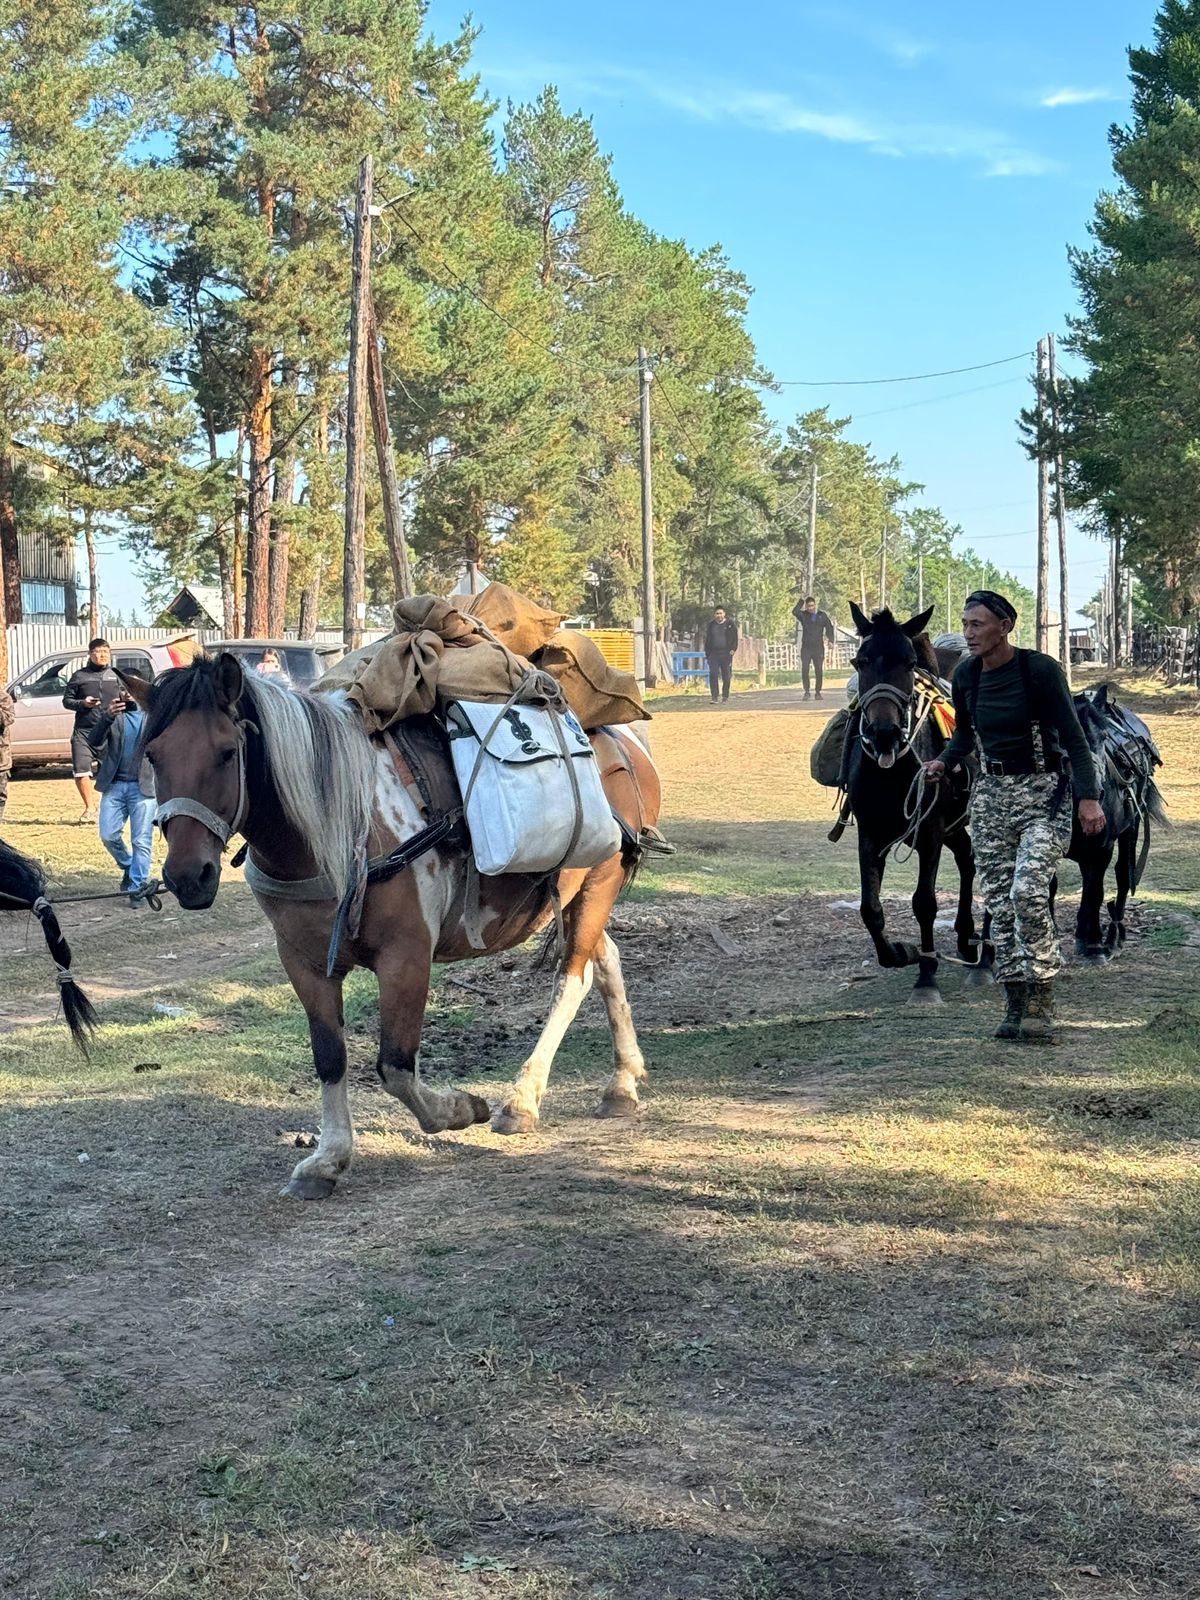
126 786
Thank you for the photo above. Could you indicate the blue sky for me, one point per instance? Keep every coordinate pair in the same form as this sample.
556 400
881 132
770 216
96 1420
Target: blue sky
899 186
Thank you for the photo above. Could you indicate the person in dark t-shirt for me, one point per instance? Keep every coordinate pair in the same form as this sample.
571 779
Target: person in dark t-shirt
1013 707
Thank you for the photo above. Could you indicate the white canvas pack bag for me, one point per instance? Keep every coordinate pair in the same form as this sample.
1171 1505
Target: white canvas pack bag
531 788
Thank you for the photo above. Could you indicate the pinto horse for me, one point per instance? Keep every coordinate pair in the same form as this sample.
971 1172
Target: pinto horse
23 888
888 744
311 793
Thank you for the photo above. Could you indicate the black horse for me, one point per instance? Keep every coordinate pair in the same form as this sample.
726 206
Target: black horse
888 743
23 888
1125 757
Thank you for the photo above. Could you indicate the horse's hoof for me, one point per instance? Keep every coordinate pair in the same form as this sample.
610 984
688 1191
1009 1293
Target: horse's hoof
1095 956
481 1110
308 1186
514 1122
619 1105
980 977
926 996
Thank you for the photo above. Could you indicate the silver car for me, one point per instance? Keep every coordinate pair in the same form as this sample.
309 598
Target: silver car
41 730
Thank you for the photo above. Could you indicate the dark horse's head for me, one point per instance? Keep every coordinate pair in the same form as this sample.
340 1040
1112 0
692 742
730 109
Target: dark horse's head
195 742
886 663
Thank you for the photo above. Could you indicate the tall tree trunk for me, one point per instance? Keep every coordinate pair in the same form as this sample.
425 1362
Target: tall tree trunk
310 607
259 552
89 539
225 569
234 623
283 493
10 555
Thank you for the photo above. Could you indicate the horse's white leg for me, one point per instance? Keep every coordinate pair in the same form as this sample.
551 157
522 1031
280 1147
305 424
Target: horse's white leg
620 1097
315 1177
519 1114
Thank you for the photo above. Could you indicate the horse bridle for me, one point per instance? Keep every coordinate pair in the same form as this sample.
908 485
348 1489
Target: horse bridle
185 806
904 703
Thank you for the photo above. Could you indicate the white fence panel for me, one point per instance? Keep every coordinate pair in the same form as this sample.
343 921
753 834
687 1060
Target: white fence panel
30 641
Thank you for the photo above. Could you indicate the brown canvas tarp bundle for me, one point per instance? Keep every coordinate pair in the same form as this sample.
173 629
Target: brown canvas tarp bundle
598 693
435 654
519 623
439 653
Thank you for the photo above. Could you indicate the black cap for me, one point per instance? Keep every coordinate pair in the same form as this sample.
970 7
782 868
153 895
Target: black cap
993 602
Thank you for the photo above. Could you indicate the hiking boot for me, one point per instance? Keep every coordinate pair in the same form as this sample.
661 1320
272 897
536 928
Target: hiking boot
1018 994
1037 1025
818 695
807 696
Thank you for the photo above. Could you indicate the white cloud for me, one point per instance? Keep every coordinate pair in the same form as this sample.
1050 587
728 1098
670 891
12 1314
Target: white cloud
992 151
1075 97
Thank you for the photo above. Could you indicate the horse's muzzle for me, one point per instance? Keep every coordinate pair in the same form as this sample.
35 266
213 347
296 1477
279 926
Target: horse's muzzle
197 889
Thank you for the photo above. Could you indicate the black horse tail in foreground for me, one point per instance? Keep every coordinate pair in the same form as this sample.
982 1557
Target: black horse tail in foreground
1125 756
888 743
23 888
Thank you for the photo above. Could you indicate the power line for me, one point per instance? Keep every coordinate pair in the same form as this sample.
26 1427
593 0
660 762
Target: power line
936 399
666 394
912 377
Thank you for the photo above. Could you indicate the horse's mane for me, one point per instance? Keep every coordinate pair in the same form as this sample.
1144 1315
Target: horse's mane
317 755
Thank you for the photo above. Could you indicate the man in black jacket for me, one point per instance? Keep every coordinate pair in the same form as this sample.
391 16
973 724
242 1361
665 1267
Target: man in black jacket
815 628
1013 707
89 690
720 642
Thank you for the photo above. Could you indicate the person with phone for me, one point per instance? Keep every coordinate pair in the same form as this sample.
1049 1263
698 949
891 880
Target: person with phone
126 785
89 689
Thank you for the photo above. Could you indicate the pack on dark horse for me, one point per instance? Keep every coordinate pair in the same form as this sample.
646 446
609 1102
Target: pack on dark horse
890 739
1125 757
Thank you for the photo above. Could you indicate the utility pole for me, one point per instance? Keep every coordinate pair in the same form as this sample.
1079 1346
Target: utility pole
649 616
1041 614
920 580
1060 512
883 568
393 513
1114 605
1129 616
353 560
949 617
810 566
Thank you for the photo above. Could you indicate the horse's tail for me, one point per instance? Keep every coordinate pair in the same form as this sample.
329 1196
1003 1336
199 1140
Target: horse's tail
1156 806
23 887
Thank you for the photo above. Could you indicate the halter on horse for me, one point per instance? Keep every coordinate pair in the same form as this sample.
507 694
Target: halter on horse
316 799
895 736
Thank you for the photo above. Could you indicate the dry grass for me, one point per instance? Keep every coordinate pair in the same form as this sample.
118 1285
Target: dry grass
866 1306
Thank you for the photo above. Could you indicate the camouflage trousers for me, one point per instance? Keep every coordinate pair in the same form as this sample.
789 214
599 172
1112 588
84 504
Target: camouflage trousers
1017 846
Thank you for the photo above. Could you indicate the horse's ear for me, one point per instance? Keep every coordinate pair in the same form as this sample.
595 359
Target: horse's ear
917 624
138 687
861 622
1100 697
229 681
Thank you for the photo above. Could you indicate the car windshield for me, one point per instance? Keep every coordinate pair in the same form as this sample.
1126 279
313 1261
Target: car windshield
298 664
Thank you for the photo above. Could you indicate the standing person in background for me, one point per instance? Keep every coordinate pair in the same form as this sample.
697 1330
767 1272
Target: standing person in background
720 642
7 712
126 786
815 628
89 690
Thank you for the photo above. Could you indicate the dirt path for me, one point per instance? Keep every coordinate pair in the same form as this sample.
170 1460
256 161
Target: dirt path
866 1304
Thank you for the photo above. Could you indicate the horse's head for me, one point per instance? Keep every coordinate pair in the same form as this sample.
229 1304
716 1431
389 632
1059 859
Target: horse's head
886 663
195 742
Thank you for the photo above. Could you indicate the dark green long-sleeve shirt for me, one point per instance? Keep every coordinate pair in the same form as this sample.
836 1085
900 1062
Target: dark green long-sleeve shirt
1004 718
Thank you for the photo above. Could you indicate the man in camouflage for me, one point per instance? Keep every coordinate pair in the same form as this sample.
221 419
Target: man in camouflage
1015 709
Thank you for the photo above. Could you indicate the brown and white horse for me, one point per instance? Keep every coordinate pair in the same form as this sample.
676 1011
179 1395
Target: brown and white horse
306 787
